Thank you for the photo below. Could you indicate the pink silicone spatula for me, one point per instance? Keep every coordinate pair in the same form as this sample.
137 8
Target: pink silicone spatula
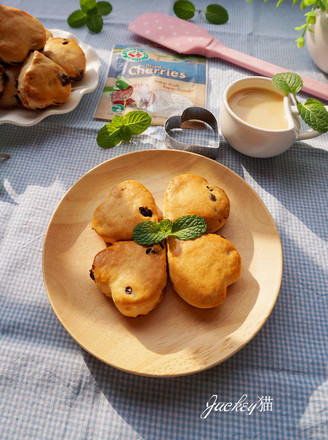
189 38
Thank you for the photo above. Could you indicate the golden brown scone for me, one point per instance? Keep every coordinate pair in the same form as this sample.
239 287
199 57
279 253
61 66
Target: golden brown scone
191 194
42 82
201 270
48 34
68 54
128 204
20 33
133 276
9 97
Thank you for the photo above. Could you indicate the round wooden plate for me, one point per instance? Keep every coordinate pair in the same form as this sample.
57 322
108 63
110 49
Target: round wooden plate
176 338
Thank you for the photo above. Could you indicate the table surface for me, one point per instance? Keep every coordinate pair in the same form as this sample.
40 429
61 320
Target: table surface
50 388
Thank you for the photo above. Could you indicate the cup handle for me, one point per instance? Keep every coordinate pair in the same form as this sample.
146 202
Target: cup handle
305 134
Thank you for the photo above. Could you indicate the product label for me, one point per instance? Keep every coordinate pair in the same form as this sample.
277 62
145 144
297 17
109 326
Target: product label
153 80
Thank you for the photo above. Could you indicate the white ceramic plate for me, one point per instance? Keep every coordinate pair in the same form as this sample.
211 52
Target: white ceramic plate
175 338
25 117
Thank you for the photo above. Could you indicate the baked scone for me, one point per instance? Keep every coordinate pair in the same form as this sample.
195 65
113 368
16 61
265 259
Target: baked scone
128 204
9 97
192 194
133 276
20 33
42 82
201 270
68 54
48 34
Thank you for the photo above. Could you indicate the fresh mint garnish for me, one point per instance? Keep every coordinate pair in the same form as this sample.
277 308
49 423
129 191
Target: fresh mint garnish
214 13
288 82
90 14
313 112
121 128
184 9
186 227
310 16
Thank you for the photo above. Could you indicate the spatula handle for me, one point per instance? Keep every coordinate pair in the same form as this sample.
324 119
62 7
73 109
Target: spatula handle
217 49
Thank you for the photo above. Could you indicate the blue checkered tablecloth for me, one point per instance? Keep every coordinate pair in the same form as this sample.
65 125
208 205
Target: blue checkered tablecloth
50 388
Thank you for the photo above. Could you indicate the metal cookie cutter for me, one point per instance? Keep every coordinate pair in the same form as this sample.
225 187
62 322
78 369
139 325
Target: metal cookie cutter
193 114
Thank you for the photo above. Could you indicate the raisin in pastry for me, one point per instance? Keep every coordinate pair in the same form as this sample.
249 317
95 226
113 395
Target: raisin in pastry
68 54
133 276
128 204
192 194
42 82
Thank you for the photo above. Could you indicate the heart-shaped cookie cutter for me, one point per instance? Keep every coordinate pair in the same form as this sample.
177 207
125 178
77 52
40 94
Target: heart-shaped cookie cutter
193 114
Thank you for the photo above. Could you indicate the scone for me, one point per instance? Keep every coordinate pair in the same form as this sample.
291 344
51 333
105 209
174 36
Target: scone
133 276
9 97
20 33
192 194
128 204
201 270
42 82
68 54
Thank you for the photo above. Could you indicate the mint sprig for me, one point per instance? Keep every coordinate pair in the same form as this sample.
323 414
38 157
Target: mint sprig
186 227
310 16
313 112
121 128
214 13
90 14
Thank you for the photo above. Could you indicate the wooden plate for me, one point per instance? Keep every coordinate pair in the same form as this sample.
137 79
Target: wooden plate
176 338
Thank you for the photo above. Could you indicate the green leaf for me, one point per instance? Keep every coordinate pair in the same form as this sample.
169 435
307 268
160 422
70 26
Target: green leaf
300 42
122 85
184 9
148 232
104 8
110 134
288 82
77 19
94 22
137 121
216 14
188 227
125 133
313 112
87 5
110 89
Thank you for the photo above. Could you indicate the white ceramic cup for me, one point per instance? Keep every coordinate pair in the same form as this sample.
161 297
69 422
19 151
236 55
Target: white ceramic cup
259 142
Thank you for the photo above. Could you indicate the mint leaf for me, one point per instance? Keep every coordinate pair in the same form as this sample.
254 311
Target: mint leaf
184 9
288 82
94 21
87 5
188 227
122 128
110 134
148 232
104 8
122 85
313 112
125 133
137 121
216 14
77 19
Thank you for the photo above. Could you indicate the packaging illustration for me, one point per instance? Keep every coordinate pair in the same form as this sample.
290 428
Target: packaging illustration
153 80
